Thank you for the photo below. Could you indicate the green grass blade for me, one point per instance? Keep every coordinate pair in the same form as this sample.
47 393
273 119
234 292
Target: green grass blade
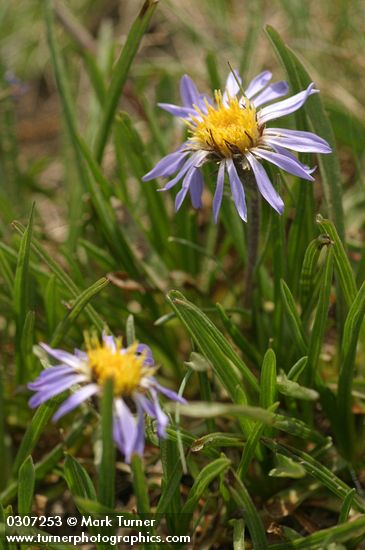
314 468
346 506
343 268
120 74
320 321
77 307
62 276
201 483
309 267
322 539
319 123
294 321
288 424
21 295
346 433
77 479
107 464
26 483
239 339
251 515
140 485
212 344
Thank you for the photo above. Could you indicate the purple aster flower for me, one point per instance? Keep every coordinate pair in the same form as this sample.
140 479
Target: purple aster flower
231 131
132 370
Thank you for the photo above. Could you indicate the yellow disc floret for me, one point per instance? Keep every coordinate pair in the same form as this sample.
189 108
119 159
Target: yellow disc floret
124 366
226 129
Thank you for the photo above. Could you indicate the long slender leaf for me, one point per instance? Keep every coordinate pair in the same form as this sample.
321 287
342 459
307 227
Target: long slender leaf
77 307
251 515
346 433
120 73
342 264
319 123
107 464
212 344
26 483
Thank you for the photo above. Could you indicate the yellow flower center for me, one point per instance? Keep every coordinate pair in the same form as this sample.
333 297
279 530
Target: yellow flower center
226 129
125 367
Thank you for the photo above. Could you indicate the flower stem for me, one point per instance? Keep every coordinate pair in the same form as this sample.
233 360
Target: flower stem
140 485
253 233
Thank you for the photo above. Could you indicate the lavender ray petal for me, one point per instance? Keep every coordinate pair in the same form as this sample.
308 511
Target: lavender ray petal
231 88
291 165
49 375
296 145
143 348
285 132
127 429
238 192
264 184
166 166
274 91
61 355
286 106
258 83
109 341
161 417
217 199
139 442
169 393
196 189
290 155
185 188
75 400
188 163
176 110
55 389
188 91
296 140
147 406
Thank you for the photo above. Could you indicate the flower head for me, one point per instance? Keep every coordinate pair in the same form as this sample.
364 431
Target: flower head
132 370
231 131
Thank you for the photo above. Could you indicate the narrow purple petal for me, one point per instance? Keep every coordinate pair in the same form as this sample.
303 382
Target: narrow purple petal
109 341
143 348
185 187
75 399
285 107
161 417
125 431
285 132
195 159
264 184
146 404
274 91
49 375
166 166
304 142
196 189
188 91
61 355
176 110
258 84
290 155
238 192
139 442
54 389
232 88
169 393
291 165
217 199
